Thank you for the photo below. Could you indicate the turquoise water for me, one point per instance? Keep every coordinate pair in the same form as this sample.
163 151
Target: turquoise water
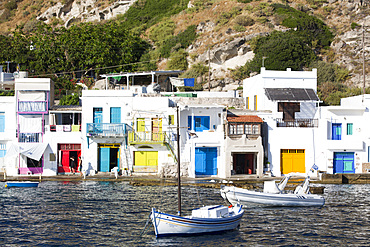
114 214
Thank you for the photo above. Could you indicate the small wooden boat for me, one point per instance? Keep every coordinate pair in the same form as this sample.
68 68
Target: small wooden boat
208 219
275 197
21 184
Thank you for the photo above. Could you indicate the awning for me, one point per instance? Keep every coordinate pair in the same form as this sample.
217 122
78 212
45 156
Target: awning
180 82
31 150
291 94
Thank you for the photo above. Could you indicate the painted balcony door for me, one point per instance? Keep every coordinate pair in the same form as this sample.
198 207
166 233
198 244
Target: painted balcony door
156 129
2 122
98 115
140 124
336 131
115 115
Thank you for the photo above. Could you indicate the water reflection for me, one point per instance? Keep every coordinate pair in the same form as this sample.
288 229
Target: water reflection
115 213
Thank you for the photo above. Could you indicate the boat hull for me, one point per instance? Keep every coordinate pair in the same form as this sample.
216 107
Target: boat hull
245 197
170 225
22 184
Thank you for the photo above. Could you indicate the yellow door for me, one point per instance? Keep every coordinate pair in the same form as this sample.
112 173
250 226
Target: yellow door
293 160
140 124
146 158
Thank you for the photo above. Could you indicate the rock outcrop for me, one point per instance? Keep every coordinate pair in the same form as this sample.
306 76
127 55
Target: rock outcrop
84 11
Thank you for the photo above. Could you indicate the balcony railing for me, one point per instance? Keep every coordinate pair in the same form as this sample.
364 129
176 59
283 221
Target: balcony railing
107 129
147 137
297 123
65 128
30 137
32 107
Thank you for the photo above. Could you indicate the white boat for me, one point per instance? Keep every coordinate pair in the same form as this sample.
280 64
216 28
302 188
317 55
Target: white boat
207 219
273 195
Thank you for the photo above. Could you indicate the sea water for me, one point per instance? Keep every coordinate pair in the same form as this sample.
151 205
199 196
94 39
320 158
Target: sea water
91 213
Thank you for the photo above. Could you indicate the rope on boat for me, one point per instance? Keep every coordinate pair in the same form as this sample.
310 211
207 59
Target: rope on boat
146 224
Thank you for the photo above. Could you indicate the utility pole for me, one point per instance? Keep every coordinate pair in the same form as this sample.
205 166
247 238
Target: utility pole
209 71
178 164
363 55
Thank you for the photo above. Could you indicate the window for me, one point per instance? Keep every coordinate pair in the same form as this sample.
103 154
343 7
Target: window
2 150
98 115
2 121
336 133
200 123
256 129
248 129
240 129
247 103
255 102
232 129
350 129
171 119
115 115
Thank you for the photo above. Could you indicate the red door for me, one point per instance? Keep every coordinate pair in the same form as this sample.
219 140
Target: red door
64 167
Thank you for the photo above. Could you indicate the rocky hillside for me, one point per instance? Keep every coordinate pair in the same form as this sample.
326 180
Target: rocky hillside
224 28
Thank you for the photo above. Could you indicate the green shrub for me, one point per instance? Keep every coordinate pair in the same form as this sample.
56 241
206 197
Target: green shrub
225 17
244 20
177 60
239 28
354 25
245 1
162 32
145 13
195 71
308 27
11 5
180 41
70 100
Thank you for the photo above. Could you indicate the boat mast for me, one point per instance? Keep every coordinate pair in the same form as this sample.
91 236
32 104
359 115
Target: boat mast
178 165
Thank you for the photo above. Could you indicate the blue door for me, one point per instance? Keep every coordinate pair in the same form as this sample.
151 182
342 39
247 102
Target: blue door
98 115
2 122
104 159
115 115
336 131
344 162
206 161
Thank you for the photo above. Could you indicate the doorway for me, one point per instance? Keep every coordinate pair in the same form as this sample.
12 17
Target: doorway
244 163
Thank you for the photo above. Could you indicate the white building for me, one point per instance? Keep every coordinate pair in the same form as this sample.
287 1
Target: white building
286 101
126 132
343 139
8 129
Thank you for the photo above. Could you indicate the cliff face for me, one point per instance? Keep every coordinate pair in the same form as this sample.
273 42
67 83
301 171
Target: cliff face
223 47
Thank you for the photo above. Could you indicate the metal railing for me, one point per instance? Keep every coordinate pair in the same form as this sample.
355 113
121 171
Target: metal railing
107 129
30 137
147 137
32 107
298 123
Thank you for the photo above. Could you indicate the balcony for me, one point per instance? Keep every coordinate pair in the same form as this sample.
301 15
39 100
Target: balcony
64 128
30 137
147 137
107 129
297 123
32 107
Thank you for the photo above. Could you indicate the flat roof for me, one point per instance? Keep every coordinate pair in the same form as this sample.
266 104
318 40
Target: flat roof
128 74
291 94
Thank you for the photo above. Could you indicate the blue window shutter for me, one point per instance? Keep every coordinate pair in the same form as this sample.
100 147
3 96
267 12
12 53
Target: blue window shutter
2 123
115 115
189 122
205 123
336 131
